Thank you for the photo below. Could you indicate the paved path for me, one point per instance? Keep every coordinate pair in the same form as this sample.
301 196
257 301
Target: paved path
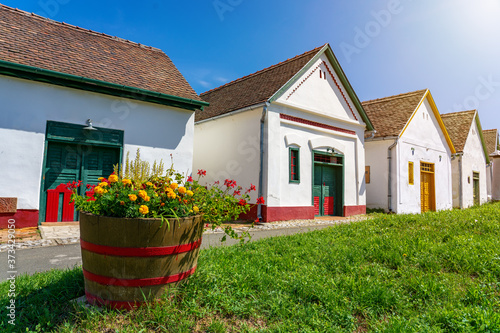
39 258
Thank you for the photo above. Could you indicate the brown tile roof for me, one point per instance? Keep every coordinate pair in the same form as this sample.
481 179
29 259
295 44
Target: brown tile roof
254 88
458 126
491 140
29 39
389 115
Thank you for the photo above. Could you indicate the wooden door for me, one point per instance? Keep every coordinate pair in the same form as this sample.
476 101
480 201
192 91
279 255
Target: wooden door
427 188
475 183
327 190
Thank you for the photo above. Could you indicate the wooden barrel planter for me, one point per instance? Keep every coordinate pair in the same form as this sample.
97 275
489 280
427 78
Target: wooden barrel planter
127 262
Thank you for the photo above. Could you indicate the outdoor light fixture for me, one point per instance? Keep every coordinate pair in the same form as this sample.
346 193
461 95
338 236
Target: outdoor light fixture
89 126
413 151
440 158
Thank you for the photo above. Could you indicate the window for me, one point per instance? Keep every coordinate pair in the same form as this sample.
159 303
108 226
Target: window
294 165
327 158
367 174
410 173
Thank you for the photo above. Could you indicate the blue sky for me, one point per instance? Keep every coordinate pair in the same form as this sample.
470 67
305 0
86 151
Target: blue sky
385 47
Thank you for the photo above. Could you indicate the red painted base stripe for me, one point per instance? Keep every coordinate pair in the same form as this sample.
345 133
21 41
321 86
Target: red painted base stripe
96 300
139 251
316 124
111 281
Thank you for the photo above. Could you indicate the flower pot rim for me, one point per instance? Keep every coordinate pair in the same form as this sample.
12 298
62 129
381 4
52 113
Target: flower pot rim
145 219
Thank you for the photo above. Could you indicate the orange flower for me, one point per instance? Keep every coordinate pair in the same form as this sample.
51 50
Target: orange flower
147 198
144 209
171 195
126 181
122 203
143 194
98 190
113 178
132 197
149 184
103 184
182 190
173 186
162 204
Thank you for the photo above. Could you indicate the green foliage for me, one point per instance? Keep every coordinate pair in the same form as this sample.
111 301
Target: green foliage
436 272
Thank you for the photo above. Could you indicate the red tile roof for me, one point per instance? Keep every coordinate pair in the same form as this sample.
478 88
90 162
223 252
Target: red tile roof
458 125
31 40
491 139
389 115
254 88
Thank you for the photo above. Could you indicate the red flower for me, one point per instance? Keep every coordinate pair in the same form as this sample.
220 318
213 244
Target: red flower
260 201
252 188
202 172
242 202
190 179
237 192
230 183
217 182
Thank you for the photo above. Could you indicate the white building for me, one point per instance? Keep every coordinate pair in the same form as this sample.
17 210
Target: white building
53 78
492 145
295 130
408 161
469 164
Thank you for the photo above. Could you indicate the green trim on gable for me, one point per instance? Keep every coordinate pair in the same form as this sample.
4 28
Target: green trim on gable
343 78
480 130
83 83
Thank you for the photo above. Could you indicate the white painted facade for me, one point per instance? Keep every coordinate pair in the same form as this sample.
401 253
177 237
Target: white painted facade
495 172
26 107
228 146
473 160
421 142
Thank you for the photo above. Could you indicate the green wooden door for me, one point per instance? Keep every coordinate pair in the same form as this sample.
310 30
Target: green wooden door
475 181
70 162
327 190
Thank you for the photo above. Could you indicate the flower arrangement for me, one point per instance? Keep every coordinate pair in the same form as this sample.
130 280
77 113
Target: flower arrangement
141 193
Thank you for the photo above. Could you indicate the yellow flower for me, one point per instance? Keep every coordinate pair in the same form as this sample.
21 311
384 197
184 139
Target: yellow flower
173 186
149 184
103 184
190 193
171 195
126 181
113 178
100 179
98 190
182 190
147 198
132 197
143 194
144 209
196 209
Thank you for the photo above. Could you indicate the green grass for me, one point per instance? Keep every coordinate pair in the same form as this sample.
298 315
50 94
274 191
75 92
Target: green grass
436 272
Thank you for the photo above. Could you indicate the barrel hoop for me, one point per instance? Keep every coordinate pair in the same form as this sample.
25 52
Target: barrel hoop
139 251
112 281
93 299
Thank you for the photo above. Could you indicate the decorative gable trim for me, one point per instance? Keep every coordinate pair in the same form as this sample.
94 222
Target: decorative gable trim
343 80
315 124
438 118
483 142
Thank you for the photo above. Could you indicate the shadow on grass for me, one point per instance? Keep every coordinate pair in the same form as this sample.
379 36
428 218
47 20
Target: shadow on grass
41 301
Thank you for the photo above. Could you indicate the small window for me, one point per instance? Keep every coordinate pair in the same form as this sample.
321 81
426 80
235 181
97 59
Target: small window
367 174
410 174
294 165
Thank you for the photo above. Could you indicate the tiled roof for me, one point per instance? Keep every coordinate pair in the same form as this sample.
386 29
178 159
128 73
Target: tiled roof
458 126
491 140
31 40
252 89
389 115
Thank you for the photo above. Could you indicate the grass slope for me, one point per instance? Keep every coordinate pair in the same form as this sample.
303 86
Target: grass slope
436 272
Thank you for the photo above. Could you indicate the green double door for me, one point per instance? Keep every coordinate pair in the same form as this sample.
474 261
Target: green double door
67 162
327 190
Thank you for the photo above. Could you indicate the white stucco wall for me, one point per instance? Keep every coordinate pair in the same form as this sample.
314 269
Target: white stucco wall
282 193
376 158
423 141
495 186
228 148
27 105
473 160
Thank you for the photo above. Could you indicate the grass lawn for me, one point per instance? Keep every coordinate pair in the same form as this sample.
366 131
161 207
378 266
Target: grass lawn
436 272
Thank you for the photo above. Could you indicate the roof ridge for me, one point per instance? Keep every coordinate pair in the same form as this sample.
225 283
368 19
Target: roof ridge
384 99
264 70
489 130
458 112
67 25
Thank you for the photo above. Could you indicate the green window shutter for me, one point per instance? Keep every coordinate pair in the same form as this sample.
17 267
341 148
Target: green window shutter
294 165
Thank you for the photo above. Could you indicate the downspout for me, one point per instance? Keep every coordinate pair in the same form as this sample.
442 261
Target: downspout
261 168
389 186
372 134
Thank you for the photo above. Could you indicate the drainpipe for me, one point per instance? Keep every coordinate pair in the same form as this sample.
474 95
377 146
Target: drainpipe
389 159
261 168
372 134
